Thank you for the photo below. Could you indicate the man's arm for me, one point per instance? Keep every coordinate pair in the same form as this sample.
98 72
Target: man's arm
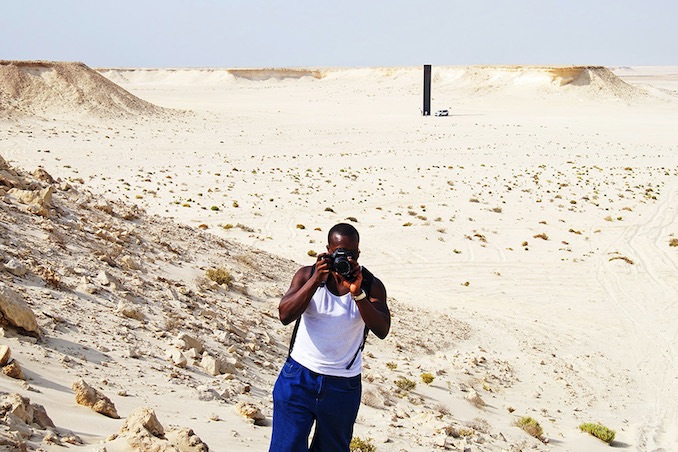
374 310
301 290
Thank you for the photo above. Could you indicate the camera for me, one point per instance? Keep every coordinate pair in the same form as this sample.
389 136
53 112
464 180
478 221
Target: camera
339 263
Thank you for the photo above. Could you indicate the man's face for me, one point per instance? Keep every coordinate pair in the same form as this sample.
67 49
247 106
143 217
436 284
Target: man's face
346 242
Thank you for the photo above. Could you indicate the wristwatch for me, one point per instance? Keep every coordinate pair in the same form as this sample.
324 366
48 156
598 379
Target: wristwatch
360 297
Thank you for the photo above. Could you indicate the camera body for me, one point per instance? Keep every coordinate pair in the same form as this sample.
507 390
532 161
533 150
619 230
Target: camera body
339 263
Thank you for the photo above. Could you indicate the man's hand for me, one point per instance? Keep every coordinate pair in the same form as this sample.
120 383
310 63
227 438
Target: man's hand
322 268
357 273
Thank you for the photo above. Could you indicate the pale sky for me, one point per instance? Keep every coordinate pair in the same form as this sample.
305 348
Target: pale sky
305 33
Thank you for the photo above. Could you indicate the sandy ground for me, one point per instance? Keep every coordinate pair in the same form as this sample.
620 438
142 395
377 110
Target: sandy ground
525 238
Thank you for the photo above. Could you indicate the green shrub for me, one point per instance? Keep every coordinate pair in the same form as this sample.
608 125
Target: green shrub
361 445
427 378
531 426
220 276
599 431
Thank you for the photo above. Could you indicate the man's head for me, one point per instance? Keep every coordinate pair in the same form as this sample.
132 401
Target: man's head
343 235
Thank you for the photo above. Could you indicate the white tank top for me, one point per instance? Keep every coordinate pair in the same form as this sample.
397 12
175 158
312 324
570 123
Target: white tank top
330 333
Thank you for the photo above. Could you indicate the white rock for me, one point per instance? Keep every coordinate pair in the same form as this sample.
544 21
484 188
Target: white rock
210 364
16 311
187 342
16 268
176 357
5 355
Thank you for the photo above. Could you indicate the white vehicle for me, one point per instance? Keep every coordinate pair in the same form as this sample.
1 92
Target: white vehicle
442 113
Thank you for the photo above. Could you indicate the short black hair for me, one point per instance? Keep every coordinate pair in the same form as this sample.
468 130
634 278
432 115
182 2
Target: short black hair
344 230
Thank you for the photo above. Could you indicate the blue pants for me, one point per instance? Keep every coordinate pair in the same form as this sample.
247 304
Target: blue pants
300 397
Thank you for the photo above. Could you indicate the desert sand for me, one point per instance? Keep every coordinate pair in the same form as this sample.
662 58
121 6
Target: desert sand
528 243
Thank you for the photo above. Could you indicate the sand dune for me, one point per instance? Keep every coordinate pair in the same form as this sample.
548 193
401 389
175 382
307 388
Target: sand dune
55 88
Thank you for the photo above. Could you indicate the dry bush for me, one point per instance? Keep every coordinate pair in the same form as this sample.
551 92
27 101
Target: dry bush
51 278
405 384
479 424
542 236
361 445
427 378
673 242
531 426
220 276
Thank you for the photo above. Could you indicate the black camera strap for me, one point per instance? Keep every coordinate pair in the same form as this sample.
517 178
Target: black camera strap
366 284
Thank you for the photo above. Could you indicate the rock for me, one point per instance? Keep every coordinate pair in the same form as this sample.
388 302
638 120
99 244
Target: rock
87 287
41 418
129 263
230 364
15 311
43 176
130 311
143 418
177 358
97 401
187 342
106 279
12 441
15 267
9 177
17 405
16 424
13 370
186 440
103 205
210 364
51 438
250 411
475 399
5 355
39 202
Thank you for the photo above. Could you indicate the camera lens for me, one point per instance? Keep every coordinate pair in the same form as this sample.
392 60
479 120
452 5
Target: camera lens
342 266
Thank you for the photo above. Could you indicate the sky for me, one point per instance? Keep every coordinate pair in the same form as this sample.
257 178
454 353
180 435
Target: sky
340 33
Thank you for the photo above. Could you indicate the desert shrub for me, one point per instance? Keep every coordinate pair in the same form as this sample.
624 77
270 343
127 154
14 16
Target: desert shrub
362 445
599 431
405 384
465 432
228 226
244 227
353 219
427 378
673 242
220 276
235 204
329 209
301 226
391 365
531 426
409 223
542 236
312 253
214 208
480 425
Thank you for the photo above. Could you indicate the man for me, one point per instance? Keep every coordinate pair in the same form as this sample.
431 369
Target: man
334 302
